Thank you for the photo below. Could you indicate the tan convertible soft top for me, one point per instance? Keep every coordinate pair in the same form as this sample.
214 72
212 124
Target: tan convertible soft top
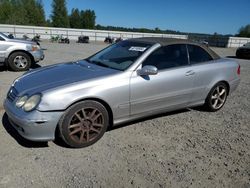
169 41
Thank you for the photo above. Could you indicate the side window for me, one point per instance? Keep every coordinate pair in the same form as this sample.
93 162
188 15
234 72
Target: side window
168 57
198 54
1 39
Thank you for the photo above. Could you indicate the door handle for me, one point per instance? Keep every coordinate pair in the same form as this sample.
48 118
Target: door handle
190 73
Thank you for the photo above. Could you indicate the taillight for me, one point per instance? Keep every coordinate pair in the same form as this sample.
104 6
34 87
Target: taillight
238 71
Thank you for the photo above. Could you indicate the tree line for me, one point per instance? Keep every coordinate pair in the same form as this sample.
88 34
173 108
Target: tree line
244 31
31 12
22 12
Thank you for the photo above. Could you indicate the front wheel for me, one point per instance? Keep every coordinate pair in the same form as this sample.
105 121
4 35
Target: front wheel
19 61
238 55
83 124
216 97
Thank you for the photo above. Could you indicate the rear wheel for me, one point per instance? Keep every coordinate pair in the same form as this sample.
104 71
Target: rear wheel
19 61
83 124
217 97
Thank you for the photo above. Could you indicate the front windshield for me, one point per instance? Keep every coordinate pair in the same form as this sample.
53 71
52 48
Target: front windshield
120 55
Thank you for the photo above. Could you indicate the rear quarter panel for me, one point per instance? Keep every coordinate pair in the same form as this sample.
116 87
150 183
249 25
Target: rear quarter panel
209 74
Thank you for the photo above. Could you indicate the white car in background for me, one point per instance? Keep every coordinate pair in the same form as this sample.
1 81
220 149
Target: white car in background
19 54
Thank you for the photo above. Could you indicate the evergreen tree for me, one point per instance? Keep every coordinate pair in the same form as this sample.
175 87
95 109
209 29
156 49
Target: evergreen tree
30 12
6 10
18 14
22 12
244 31
75 19
59 14
88 18
40 13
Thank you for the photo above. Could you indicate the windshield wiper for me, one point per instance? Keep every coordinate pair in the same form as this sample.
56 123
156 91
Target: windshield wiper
101 63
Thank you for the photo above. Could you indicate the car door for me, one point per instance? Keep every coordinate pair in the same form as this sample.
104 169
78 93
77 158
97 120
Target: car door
202 65
170 88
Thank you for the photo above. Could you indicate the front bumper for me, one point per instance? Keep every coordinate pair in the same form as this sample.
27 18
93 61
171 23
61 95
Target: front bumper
34 125
37 55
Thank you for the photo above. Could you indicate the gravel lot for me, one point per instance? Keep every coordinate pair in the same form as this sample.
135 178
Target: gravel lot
188 148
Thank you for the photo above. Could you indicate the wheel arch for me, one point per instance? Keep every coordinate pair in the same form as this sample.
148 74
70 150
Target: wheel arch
23 51
104 103
215 83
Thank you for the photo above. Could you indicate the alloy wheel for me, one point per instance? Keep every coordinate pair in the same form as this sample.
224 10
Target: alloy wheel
86 125
20 62
218 97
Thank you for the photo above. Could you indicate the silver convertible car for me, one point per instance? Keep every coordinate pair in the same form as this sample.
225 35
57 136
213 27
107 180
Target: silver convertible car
129 80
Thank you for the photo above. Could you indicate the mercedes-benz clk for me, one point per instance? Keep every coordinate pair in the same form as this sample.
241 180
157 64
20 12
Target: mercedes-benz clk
129 80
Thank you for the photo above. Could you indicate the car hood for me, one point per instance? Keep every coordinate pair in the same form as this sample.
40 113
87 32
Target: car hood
22 41
49 77
244 47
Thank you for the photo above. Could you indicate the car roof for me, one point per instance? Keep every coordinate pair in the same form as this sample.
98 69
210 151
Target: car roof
168 41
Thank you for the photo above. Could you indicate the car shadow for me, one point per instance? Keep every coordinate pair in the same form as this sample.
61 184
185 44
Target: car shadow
19 139
59 142
33 66
3 68
141 120
231 56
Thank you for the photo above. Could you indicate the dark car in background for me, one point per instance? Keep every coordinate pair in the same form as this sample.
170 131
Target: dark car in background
243 51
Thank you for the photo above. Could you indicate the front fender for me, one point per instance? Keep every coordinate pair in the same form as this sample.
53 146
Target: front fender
13 48
114 91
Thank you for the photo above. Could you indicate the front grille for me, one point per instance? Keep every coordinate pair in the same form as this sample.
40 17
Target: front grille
12 94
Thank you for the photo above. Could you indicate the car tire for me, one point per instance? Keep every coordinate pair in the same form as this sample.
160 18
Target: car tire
217 97
19 61
238 55
83 124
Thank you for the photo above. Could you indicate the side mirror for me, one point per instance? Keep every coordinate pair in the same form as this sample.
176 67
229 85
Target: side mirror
147 70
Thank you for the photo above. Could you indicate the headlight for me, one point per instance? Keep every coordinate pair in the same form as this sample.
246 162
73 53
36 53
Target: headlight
28 103
31 103
35 47
21 101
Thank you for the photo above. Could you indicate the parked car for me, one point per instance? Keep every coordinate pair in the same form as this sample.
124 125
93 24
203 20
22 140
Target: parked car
243 51
63 39
60 39
54 38
118 39
83 39
36 39
109 40
11 36
129 80
18 54
205 42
